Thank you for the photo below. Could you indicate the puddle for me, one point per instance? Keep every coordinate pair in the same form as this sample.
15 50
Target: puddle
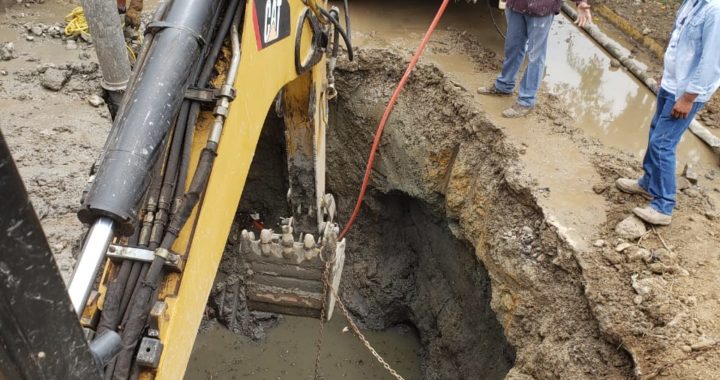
289 351
53 49
609 104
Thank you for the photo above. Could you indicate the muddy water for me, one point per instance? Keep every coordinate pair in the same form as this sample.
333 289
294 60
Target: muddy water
288 352
609 104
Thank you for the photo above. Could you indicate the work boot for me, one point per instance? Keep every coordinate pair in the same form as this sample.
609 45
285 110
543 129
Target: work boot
632 186
652 216
492 91
517 111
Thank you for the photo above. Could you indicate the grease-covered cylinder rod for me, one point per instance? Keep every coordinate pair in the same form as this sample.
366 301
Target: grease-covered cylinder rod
89 262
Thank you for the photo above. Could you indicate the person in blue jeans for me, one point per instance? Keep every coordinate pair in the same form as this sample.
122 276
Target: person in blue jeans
528 29
690 78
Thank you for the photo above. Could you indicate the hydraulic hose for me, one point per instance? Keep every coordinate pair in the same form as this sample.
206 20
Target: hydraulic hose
146 289
386 116
339 29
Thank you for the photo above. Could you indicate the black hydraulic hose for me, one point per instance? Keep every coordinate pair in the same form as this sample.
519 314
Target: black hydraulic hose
336 35
203 80
207 70
113 311
348 27
141 300
111 315
169 181
343 33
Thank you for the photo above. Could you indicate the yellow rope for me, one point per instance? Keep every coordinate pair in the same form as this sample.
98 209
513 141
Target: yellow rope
77 25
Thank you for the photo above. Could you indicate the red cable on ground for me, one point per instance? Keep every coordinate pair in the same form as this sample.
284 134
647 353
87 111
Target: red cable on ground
386 116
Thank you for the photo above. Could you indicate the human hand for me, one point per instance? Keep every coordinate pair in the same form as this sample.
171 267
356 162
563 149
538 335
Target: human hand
584 16
682 108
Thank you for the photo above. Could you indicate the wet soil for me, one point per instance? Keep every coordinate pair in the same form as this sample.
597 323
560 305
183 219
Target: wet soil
54 136
561 162
494 240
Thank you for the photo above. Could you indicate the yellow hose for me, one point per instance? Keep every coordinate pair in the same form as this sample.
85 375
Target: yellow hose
77 25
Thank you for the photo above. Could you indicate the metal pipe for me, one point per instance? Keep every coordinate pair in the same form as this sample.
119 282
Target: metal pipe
224 102
104 24
89 262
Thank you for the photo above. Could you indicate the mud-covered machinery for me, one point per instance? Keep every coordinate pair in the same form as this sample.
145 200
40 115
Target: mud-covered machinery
164 193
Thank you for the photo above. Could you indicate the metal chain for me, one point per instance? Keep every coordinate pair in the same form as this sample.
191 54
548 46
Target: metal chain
322 320
354 327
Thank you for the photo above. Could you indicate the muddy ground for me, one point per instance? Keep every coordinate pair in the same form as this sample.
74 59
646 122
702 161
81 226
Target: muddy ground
53 131
655 19
496 240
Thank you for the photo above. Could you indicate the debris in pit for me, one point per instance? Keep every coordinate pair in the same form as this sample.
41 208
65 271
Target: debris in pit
631 228
54 79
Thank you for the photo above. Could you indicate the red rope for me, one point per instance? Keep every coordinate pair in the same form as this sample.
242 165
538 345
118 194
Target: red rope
388 111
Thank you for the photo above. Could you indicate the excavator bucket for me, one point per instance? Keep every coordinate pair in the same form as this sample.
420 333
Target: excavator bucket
289 277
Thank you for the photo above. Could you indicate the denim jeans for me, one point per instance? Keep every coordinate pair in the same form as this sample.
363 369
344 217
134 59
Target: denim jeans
526 35
659 163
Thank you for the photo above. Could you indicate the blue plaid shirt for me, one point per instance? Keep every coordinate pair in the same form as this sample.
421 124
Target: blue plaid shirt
695 64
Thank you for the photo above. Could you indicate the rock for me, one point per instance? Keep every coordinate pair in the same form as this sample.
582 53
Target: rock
527 235
37 30
3 72
71 45
54 79
615 64
7 51
622 247
29 38
686 349
683 184
599 243
54 31
692 193
710 175
667 257
703 344
638 254
95 101
599 189
86 37
646 31
631 228
690 173
712 214
660 268
642 287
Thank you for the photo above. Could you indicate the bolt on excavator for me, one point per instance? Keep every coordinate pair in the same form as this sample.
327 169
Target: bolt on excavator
163 194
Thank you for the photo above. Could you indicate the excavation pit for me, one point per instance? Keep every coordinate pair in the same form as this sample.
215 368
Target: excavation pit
409 279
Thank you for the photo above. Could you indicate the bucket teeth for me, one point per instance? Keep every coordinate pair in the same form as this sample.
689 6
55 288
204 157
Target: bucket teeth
280 246
286 276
